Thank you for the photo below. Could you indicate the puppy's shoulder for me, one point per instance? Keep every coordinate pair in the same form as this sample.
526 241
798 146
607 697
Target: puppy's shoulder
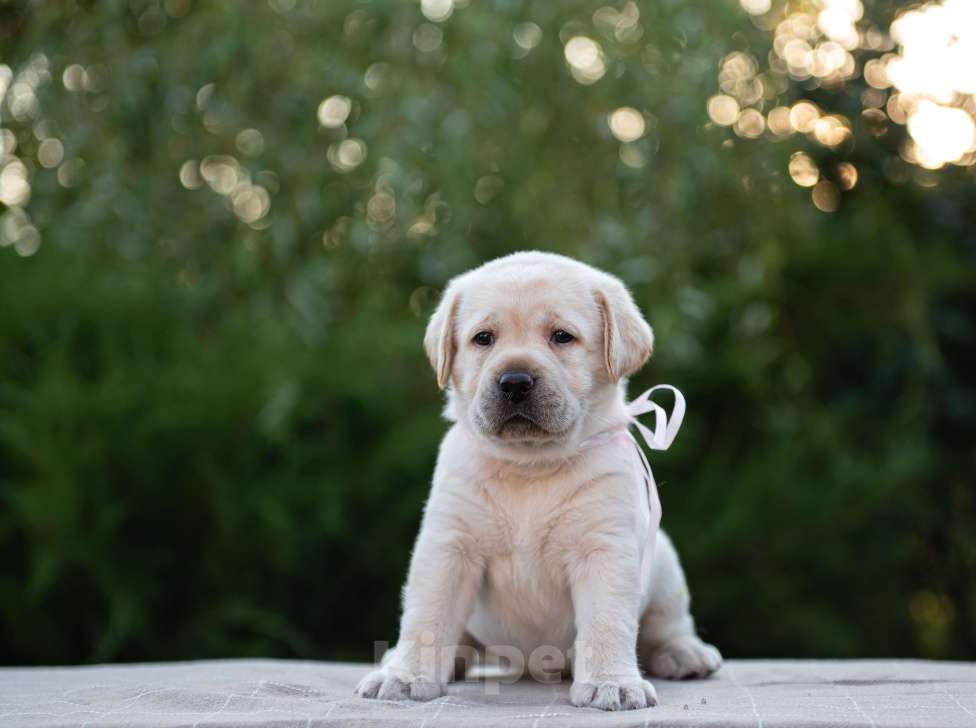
458 475
454 456
606 479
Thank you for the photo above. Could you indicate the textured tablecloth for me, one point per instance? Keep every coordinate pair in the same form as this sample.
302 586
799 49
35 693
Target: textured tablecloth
764 694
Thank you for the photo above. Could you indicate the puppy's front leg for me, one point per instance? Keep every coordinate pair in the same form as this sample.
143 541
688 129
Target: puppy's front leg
445 573
603 579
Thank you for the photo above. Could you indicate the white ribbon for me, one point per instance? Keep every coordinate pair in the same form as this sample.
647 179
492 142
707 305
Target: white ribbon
665 430
660 438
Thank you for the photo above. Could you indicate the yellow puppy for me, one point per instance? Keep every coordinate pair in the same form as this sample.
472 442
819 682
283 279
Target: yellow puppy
540 537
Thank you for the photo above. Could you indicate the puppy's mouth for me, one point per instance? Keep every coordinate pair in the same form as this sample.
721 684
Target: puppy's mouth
542 419
522 426
527 427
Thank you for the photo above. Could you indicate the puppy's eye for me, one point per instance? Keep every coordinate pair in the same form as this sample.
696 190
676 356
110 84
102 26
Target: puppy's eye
562 337
484 338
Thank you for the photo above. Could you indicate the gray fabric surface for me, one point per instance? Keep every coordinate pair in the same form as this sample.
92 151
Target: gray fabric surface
763 694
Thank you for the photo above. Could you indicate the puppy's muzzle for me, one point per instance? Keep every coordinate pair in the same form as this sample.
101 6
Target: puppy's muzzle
516 386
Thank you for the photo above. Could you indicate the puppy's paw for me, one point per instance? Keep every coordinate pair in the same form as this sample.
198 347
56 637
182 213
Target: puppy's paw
684 657
389 684
614 694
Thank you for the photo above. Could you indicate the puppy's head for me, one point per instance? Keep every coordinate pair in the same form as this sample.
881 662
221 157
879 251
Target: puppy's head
530 344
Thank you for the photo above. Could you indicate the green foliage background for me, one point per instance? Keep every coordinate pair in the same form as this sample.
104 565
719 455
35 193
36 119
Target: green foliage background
216 440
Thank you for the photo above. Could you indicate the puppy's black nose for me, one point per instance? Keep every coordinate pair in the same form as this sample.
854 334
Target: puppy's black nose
516 385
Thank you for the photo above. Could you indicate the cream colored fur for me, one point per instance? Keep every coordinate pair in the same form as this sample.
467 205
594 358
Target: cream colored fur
527 542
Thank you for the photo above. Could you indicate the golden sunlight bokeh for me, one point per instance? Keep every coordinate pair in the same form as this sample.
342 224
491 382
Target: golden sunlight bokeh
934 75
19 93
920 74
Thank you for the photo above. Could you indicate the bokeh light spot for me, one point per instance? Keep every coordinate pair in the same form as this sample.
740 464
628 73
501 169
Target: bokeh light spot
50 152
941 133
190 175
627 124
875 122
334 111
375 76
750 124
14 186
633 155
831 131
826 196
527 35
381 210
437 10
585 58
250 143
876 74
28 241
251 202
74 77
221 172
803 169
756 7
803 116
846 176
778 121
347 154
8 142
723 110
69 173
427 38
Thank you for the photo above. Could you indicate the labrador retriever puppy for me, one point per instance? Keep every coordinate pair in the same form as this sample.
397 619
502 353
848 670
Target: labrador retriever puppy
530 542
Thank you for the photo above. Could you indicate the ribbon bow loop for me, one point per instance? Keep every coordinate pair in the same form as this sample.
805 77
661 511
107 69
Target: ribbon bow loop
665 429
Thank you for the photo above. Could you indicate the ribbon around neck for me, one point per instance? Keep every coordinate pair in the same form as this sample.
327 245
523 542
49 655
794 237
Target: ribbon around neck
665 428
660 438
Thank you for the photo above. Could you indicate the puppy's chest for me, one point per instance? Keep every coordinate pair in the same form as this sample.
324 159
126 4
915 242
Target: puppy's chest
523 546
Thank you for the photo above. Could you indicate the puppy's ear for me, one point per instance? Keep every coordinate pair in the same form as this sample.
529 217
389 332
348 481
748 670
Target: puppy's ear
627 339
440 339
